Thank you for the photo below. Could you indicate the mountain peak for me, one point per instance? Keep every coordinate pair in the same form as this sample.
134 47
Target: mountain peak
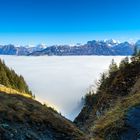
111 42
41 45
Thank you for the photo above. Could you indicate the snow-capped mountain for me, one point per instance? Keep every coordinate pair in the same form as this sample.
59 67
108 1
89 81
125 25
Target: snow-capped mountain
94 47
20 50
8 49
39 47
112 42
107 47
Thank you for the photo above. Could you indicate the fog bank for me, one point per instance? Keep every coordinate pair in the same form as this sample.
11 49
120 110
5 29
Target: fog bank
60 81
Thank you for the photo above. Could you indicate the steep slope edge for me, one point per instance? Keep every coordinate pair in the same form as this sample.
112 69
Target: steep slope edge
23 118
109 114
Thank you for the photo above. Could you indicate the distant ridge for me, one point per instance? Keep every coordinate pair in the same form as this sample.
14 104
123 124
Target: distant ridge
107 47
94 47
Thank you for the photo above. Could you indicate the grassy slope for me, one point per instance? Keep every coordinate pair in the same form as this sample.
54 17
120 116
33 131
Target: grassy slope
113 119
105 111
21 117
13 91
20 110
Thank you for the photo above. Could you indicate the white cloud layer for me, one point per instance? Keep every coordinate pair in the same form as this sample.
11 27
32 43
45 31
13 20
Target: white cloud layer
60 81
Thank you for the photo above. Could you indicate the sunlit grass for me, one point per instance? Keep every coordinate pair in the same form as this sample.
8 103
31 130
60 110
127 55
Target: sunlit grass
13 91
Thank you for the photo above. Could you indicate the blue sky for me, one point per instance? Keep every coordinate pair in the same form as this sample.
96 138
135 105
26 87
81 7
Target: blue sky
68 21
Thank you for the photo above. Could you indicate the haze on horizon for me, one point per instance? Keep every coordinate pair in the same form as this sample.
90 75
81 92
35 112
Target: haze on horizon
68 21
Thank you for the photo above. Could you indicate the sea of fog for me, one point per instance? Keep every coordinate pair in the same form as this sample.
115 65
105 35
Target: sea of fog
60 81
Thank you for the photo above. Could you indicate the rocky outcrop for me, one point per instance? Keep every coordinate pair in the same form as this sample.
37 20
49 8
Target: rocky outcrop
132 125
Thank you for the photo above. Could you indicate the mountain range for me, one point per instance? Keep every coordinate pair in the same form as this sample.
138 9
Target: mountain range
19 50
107 47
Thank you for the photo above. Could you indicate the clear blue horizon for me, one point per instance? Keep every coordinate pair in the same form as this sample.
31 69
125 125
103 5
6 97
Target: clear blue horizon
68 21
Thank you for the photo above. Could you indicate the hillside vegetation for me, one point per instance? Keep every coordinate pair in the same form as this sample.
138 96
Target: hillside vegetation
8 90
106 113
24 118
10 79
110 113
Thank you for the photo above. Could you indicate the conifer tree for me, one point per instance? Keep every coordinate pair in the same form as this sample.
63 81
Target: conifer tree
113 67
10 79
124 62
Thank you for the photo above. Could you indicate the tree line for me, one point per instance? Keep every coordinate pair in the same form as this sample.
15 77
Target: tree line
9 78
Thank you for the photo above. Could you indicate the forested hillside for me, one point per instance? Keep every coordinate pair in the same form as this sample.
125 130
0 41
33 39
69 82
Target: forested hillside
9 78
112 113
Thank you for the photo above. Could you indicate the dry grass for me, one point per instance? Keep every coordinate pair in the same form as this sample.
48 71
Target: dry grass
22 110
114 118
13 91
